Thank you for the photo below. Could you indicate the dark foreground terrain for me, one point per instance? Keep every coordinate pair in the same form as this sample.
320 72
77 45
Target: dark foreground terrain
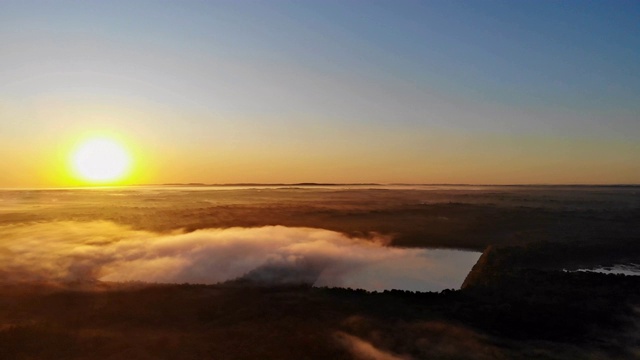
533 314
518 302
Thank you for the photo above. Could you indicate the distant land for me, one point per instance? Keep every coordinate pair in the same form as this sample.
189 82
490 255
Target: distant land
277 184
387 184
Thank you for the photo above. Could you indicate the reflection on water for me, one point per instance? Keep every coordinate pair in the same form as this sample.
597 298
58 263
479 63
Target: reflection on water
271 255
415 270
627 269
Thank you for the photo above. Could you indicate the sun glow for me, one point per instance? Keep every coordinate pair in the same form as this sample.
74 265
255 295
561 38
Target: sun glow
101 161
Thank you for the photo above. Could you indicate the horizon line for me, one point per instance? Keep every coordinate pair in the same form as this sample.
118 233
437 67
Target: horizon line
313 184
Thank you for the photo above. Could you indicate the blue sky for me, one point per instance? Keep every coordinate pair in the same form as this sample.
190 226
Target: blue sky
397 90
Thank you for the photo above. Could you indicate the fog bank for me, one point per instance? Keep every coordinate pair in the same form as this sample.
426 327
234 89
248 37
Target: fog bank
70 251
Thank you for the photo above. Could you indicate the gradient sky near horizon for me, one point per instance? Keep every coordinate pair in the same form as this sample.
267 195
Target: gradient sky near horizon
499 92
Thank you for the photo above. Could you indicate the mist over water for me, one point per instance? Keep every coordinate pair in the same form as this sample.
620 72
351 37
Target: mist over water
621 269
99 250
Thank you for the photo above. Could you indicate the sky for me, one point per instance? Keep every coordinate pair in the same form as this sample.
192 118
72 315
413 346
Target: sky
477 92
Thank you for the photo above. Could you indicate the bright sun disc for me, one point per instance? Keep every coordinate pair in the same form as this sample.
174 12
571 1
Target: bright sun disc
101 160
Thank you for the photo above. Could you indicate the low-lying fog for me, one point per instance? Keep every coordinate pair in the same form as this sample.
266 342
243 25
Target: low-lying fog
70 251
622 269
369 237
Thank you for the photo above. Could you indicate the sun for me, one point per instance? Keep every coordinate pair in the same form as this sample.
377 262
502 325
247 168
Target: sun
101 161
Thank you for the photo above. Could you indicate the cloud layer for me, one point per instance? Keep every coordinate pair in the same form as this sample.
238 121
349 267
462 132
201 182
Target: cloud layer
68 251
